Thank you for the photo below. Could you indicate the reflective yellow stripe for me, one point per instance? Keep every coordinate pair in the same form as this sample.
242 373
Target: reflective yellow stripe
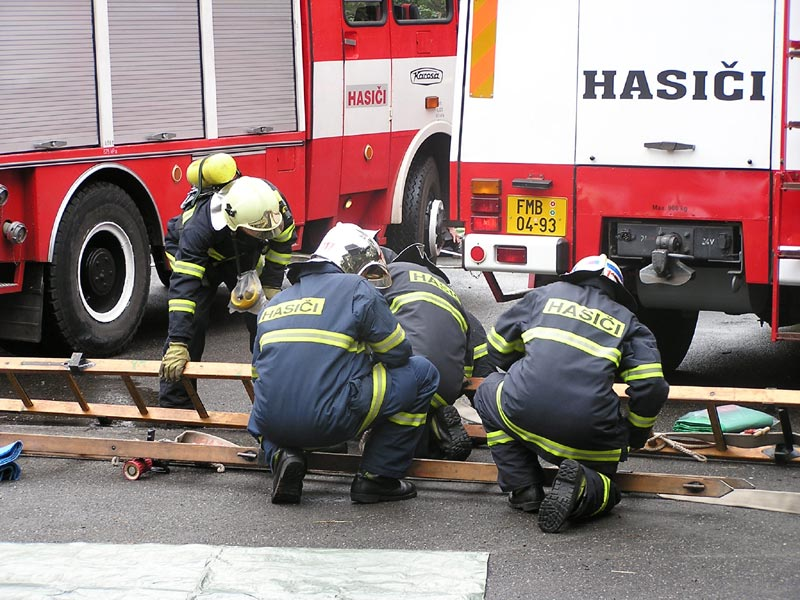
187 214
606 492
215 255
437 401
312 336
647 371
391 341
409 419
279 258
410 297
640 421
468 370
253 372
378 393
170 260
285 235
480 351
555 448
191 269
181 305
495 438
502 345
574 340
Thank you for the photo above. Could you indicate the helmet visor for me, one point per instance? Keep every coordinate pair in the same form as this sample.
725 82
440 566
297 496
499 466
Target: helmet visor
268 227
377 274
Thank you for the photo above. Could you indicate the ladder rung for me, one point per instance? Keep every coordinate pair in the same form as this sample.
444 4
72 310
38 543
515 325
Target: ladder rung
789 252
790 186
793 336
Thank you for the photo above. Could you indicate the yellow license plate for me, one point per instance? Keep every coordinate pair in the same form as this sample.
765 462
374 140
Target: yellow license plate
537 216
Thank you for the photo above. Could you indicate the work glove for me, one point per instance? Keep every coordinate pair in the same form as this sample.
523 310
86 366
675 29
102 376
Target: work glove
638 436
270 292
174 361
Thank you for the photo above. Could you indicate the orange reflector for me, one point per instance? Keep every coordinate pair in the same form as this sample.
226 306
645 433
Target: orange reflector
485 205
486 187
431 101
517 255
477 254
485 223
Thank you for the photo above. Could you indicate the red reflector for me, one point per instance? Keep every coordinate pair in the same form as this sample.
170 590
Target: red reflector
517 255
486 205
485 223
477 254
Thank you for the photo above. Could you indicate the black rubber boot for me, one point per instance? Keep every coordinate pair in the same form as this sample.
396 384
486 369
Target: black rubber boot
369 489
527 499
449 435
288 470
563 499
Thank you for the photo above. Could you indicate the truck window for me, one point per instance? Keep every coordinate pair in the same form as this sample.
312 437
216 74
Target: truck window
421 10
360 12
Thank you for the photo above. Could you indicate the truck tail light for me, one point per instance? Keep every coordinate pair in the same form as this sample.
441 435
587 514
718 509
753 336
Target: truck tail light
485 205
517 255
485 223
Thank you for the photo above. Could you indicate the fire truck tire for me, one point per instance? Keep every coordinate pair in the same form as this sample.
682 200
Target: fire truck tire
102 239
423 210
674 330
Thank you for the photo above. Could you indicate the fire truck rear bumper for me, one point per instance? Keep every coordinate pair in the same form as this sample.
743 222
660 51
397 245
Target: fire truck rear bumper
516 253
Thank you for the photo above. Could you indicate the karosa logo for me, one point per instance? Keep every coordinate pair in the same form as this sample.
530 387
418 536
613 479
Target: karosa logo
728 84
426 76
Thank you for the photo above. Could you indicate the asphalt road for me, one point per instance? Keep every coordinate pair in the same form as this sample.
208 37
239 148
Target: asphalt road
648 548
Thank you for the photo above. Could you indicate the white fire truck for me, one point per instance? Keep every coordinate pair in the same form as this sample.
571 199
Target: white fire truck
345 105
664 134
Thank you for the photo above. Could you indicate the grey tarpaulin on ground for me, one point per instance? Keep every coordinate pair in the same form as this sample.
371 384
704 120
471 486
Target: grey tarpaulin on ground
172 572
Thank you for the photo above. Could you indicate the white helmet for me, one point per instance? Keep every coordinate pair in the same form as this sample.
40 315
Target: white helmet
602 266
354 250
250 204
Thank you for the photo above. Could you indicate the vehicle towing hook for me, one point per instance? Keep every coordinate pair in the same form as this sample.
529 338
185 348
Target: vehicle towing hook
666 267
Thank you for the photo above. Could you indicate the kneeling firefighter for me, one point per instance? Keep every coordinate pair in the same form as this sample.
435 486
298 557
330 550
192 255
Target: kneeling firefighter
438 328
562 345
353 371
234 230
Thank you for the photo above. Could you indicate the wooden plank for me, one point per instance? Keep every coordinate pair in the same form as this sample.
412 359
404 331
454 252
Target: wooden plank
347 464
228 420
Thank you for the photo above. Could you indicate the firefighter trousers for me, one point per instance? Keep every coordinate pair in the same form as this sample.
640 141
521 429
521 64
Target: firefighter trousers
394 433
518 463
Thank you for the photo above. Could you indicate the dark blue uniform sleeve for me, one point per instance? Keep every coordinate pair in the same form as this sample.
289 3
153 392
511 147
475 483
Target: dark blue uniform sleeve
641 369
382 332
191 261
504 343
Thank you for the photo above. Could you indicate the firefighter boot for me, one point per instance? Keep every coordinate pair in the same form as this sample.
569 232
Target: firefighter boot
448 434
563 500
527 499
288 470
369 489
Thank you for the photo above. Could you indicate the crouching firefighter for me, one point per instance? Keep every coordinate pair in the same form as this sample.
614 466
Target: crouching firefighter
331 361
236 230
438 328
562 346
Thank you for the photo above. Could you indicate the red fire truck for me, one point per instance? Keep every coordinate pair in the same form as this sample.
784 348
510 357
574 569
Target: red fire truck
345 105
664 134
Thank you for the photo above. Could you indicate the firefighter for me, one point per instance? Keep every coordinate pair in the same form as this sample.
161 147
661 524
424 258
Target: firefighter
438 328
562 346
227 233
331 361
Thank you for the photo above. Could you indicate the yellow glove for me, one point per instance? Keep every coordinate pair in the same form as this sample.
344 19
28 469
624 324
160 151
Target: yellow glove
270 292
174 361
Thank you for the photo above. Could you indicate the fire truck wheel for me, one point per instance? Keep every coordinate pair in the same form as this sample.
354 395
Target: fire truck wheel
674 330
98 282
423 210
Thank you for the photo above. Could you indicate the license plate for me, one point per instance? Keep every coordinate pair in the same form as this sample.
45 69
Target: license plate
537 216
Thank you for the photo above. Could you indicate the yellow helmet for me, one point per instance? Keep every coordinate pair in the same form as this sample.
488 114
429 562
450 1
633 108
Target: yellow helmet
250 204
218 169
